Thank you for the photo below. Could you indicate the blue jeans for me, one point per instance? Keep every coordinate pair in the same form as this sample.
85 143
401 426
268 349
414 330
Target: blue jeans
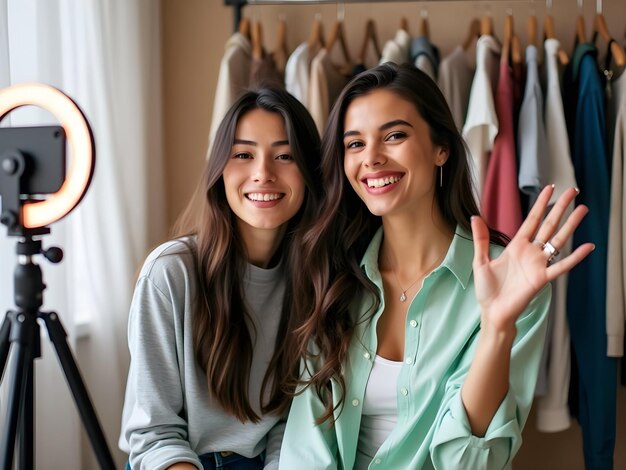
228 461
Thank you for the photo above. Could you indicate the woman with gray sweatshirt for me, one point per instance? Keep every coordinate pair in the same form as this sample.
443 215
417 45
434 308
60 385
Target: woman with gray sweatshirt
211 322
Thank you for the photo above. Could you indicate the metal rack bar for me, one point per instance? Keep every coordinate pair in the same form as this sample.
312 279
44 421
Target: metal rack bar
239 4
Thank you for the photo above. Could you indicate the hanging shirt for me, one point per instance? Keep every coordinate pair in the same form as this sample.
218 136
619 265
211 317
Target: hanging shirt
500 204
455 81
531 131
425 56
441 333
297 72
481 124
616 270
233 79
397 49
586 294
552 407
263 72
324 87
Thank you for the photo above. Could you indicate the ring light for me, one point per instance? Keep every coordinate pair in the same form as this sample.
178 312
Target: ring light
37 214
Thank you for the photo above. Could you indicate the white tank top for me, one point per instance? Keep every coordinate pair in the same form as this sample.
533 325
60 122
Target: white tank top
380 410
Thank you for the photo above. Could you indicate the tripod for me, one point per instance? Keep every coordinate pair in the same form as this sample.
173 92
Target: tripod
20 328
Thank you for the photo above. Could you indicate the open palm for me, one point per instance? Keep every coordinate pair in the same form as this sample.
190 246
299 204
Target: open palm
506 285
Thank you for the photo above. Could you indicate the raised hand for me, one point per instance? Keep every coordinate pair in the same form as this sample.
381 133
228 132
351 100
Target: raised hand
507 284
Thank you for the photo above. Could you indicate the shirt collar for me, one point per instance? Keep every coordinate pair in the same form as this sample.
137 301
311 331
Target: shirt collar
458 260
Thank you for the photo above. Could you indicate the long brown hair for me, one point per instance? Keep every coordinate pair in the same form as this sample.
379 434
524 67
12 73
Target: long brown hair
222 341
335 245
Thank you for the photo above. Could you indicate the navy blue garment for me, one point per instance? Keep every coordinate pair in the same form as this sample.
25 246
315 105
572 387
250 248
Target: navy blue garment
586 294
420 45
228 461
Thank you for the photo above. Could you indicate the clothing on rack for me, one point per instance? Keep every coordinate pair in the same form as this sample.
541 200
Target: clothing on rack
500 202
552 410
397 49
481 124
616 263
586 295
531 133
325 84
233 79
297 73
455 82
425 56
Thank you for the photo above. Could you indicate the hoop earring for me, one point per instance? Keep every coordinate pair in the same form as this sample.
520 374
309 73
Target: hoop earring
441 176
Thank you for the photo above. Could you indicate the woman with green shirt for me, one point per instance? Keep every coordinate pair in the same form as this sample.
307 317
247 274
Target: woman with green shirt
425 335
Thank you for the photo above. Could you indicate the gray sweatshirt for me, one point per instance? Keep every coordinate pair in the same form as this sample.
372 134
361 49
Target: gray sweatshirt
169 415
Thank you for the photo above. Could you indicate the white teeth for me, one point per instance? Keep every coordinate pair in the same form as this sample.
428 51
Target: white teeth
380 182
263 196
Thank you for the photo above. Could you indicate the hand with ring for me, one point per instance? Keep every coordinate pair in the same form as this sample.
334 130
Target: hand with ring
506 285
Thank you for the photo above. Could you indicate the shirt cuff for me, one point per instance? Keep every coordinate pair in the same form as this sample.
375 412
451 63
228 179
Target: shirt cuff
454 445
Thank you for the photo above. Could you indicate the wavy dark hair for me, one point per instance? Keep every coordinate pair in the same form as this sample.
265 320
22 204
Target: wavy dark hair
222 341
335 245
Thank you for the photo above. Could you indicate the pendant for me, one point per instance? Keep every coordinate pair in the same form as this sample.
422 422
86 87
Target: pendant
403 297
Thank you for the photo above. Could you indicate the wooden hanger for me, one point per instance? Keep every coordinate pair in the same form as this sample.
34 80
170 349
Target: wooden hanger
548 32
517 55
472 33
581 35
316 37
404 24
244 27
280 51
486 26
507 38
424 26
338 35
532 30
616 50
257 40
370 36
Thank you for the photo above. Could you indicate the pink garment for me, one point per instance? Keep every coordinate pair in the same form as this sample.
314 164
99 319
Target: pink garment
500 202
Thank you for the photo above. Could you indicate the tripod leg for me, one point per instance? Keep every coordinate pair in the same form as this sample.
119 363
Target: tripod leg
21 337
27 412
5 330
81 396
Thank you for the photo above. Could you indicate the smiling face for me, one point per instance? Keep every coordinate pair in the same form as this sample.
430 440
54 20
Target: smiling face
390 159
264 186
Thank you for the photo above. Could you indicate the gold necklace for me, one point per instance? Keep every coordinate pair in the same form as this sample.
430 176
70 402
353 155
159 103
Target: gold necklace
404 291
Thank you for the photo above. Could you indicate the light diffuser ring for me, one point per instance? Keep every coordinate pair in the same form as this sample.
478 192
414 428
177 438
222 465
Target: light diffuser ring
80 140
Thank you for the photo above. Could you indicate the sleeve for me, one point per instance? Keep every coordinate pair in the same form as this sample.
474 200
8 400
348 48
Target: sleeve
306 444
274 443
153 425
453 445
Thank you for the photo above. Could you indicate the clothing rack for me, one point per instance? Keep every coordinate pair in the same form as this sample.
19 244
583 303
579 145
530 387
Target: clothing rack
239 4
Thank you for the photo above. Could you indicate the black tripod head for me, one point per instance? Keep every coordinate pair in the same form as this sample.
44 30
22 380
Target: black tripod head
32 164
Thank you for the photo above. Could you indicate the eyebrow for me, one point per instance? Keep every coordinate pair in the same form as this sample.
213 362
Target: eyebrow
387 125
278 143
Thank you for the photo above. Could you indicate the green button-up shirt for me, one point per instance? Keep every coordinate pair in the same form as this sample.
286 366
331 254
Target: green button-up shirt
441 334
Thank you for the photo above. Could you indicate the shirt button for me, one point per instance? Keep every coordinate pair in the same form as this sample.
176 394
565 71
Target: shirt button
409 360
377 461
355 402
367 355
413 323
404 391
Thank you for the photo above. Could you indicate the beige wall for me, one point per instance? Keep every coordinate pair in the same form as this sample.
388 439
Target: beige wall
195 32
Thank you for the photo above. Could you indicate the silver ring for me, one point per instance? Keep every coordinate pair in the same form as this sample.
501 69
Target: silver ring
551 250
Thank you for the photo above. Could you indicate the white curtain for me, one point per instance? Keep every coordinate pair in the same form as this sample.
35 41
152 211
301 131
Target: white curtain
106 56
